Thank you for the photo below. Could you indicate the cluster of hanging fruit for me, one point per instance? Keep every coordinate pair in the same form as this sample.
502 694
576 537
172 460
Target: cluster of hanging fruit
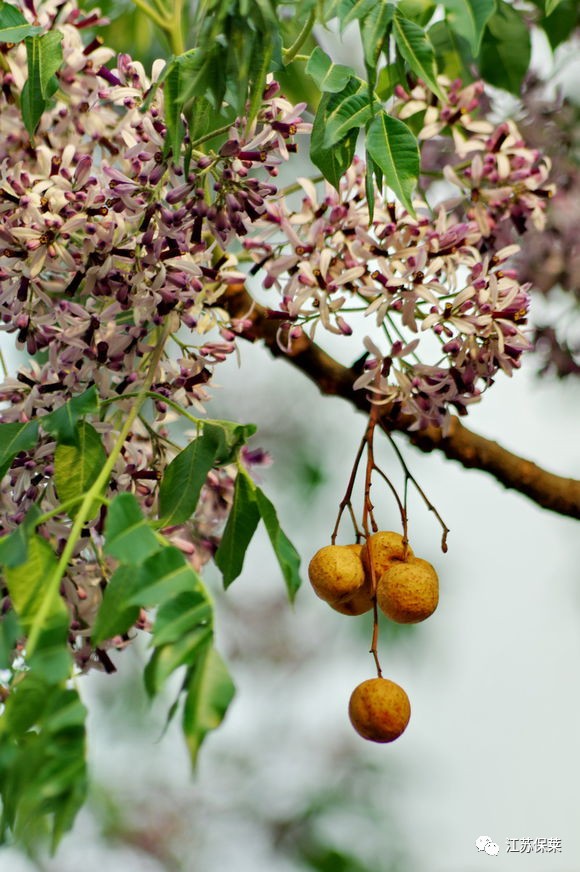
383 573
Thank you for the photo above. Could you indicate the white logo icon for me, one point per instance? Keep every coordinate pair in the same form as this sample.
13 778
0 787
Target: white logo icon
484 843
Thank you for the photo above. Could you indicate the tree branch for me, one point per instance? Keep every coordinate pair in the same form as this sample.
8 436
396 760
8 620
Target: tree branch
550 491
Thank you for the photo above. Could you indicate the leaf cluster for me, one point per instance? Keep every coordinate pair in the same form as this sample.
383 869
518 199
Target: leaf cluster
42 763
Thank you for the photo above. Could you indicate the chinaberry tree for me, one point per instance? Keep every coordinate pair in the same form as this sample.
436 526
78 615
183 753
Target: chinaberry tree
138 210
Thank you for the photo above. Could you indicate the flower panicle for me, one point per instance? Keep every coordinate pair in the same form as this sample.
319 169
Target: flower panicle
440 285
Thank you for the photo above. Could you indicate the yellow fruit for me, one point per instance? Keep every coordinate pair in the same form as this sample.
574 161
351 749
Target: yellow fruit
361 601
384 548
379 710
358 604
336 573
408 592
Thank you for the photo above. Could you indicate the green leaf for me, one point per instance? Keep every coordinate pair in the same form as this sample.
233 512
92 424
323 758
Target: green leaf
26 583
260 64
10 16
183 79
370 185
505 49
185 476
116 616
183 629
374 29
28 587
334 119
329 77
13 25
173 106
389 76
287 556
454 58
468 18
416 49
10 633
15 438
47 58
210 691
352 112
333 162
77 467
230 437
552 5
51 657
43 776
163 575
561 22
199 115
32 105
62 423
353 10
44 57
128 536
420 11
18 33
167 658
394 149
177 617
14 548
204 76
241 526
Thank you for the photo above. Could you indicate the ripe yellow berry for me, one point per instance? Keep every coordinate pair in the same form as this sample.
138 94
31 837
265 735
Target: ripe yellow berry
379 710
408 592
336 573
384 549
361 601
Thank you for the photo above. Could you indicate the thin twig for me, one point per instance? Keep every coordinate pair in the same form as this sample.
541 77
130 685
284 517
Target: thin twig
290 53
401 506
346 499
410 477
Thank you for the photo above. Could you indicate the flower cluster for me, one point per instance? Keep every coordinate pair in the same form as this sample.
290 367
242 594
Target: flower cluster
497 173
438 283
105 237
102 234
550 257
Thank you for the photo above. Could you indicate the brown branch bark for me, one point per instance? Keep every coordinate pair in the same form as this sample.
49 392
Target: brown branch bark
550 491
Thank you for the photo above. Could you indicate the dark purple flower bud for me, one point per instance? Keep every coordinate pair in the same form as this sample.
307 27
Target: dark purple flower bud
108 76
230 148
271 90
344 328
176 195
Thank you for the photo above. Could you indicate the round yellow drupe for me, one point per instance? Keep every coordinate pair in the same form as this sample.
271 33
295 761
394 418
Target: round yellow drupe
384 549
408 592
361 601
379 710
336 573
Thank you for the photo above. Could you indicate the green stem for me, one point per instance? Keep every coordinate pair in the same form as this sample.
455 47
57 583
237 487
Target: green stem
175 33
161 7
94 492
152 395
291 53
163 23
63 507
296 186
169 23
211 135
